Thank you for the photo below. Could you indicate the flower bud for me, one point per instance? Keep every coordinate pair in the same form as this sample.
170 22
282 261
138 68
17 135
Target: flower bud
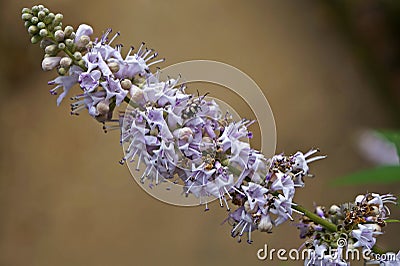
57 28
126 84
51 49
40 7
46 10
26 16
114 67
33 30
68 30
59 35
103 108
25 10
83 41
62 71
49 18
35 39
65 62
334 209
43 32
41 25
41 15
58 18
49 63
61 46
77 55
35 9
34 20
265 224
69 42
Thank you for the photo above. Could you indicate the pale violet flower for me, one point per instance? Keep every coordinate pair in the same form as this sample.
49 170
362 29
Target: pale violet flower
364 236
89 81
255 194
65 82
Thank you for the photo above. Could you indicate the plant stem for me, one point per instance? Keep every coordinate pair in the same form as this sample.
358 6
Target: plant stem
315 218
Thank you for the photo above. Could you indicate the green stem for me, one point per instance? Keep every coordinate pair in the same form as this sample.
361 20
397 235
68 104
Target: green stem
315 218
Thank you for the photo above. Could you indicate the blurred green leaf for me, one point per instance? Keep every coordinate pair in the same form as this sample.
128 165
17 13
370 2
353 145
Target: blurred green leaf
391 136
392 221
379 175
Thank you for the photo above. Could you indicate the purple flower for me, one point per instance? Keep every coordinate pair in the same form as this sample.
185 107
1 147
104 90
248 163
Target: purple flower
282 208
65 82
113 88
89 81
284 183
255 194
364 236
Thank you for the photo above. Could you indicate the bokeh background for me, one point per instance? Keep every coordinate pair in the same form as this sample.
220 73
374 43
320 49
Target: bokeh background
329 72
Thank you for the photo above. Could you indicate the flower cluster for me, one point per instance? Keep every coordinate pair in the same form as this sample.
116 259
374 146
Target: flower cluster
358 224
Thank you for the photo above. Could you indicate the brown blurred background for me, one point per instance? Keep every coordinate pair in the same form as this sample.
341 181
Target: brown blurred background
65 200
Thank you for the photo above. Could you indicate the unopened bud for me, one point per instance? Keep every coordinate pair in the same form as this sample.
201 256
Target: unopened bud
40 7
34 20
25 10
103 108
58 18
35 39
50 63
126 84
49 18
65 62
114 67
41 25
57 28
77 55
44 43
83 41
41 15
69 42
68 30
265 224
46 10
61 46
62 71
51 49
43 32
59 35
33 30
26 16
35 9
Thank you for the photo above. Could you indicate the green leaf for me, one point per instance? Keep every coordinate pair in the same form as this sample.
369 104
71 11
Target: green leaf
391 136
392 221
379 175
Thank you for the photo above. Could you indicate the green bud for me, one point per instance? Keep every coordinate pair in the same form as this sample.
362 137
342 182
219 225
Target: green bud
81 62
43 32
59 35
44 43
62 71
41 25
35 9
33 30
72 36
78 56
68 30
40 7
41 15
57 28
69 42
61 46
35 39
51 49
26 16
58 18
27 24
34 20
46 10
26 10
49 18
